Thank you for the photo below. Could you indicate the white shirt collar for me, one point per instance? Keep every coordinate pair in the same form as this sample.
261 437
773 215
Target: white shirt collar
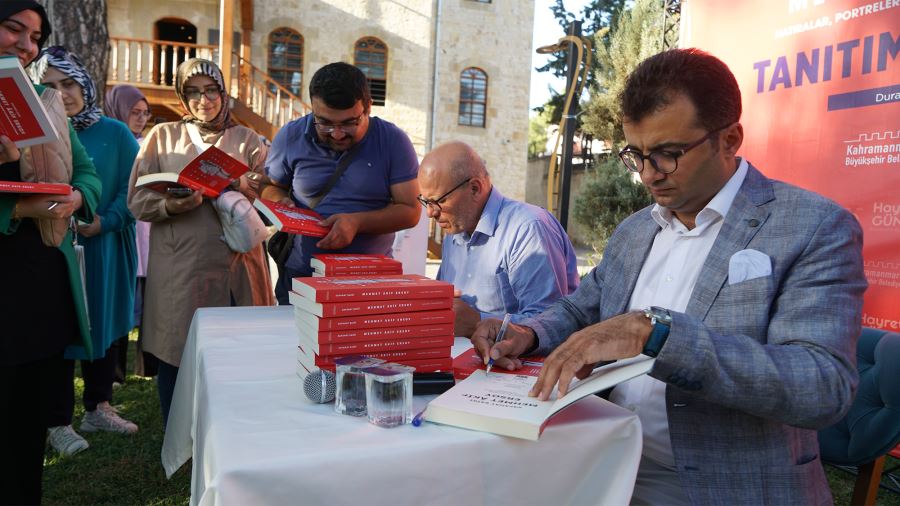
718 206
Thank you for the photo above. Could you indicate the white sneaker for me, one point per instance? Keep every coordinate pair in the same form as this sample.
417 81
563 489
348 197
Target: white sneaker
106 419
66 441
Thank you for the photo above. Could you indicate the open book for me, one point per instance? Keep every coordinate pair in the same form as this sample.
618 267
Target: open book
499 403
210 173
292 220
22 115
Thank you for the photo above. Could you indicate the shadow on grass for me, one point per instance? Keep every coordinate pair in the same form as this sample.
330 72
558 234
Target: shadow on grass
118 469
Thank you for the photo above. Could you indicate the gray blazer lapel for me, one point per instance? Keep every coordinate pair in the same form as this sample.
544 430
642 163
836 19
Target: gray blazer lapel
640 239
745 218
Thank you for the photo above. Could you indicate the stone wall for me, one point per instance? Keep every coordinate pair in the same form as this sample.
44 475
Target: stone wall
495 37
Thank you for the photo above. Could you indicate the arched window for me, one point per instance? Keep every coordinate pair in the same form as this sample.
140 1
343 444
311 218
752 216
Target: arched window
472 97
370 55
286 59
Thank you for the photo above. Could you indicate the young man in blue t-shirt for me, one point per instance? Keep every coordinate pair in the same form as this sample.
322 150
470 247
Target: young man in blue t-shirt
376 194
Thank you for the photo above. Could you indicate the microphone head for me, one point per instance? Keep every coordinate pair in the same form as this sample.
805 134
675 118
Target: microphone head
319 386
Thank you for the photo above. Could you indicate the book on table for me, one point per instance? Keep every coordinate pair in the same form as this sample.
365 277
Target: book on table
366 307
438 357
350 264
210 173
365 347
23 117
381 287
292 220
357 322
35 188
470 361
499 403
373 334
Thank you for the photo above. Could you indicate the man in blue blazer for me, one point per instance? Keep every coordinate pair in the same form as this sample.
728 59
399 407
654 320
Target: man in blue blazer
748 291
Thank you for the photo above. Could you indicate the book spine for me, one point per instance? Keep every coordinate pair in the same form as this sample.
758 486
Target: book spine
366 347
359 271
372 321
388 356
427 289
376 334
429 365
340 309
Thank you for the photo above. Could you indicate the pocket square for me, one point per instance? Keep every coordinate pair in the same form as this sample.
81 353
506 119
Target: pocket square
748 264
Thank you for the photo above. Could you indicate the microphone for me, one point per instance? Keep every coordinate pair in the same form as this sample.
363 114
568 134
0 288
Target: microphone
319 386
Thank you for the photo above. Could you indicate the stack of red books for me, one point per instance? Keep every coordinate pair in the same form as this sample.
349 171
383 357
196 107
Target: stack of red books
349 264
406 319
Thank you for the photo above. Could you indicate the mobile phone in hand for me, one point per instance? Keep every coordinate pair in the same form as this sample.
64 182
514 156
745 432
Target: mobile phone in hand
179 191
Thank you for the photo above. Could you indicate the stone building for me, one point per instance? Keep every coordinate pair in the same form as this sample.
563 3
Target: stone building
440 69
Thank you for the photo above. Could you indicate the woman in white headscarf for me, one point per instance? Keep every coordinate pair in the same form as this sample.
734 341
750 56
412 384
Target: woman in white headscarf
190 264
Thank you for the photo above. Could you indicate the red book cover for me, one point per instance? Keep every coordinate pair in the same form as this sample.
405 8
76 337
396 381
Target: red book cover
210 173
376 334
343 264
388 356
37 188
317 324
22 115
469 361
366 347
334 309
382 287
292 220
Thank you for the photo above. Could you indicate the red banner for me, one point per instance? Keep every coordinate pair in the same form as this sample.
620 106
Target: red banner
820 81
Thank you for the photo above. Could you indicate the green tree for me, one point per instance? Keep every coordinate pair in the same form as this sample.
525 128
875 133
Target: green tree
596 19
638 35
81 27
608 195
537 133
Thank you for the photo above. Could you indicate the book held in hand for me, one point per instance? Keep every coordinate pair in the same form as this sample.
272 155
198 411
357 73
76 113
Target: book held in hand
292 220
210 173
23 117
35 188
499 403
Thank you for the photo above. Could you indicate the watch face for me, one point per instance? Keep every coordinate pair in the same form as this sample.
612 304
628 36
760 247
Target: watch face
661 314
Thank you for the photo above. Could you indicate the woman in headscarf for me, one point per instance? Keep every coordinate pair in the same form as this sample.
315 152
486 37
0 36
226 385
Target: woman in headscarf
190 264
109 248
127 104
41 298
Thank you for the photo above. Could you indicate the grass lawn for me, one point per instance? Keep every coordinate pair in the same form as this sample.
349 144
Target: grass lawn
126 470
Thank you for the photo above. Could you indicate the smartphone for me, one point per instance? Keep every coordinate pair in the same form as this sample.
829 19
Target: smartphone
179 191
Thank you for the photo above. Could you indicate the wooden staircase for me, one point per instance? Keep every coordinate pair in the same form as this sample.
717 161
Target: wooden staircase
258 102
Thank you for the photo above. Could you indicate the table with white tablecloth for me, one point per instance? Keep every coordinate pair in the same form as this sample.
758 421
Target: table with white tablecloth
240 412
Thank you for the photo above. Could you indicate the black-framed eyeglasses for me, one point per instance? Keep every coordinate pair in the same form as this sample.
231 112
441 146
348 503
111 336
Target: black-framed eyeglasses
437 202
348 127
211 93
665 161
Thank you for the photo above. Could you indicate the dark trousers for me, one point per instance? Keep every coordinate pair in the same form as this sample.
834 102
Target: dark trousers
283 284
166 376
25 394
145 364
98 379
119 352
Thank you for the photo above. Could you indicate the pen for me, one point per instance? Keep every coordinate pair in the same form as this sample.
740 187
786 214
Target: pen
52 205
500 336
419 418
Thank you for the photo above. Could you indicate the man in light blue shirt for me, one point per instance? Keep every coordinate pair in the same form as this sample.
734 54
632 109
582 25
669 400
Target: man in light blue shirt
502 256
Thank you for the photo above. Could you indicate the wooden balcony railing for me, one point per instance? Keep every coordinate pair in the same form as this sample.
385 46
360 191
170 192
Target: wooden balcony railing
152 63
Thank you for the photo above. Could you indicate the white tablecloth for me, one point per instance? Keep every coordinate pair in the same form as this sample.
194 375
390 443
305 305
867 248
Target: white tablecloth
239 410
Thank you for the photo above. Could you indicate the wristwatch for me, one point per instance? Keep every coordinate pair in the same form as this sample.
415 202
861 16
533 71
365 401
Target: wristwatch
662 322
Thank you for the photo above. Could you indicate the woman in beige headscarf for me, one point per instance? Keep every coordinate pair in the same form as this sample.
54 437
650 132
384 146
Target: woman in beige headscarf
190 265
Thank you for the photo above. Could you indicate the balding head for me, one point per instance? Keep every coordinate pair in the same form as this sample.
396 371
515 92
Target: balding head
456 168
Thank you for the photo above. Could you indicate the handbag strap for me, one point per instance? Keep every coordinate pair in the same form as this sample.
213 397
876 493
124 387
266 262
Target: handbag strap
342 165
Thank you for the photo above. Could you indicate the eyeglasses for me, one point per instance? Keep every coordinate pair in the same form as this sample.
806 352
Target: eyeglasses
437 202
665 161
212 93
348 127
137 113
